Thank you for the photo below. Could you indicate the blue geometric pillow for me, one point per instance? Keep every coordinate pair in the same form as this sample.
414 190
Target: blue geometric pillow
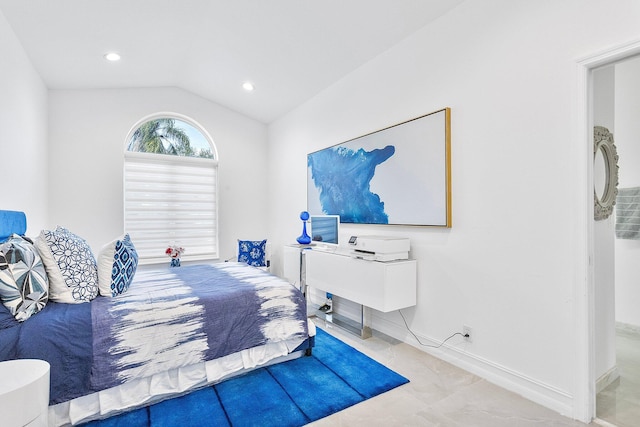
252 252
117 264
70 264
24 287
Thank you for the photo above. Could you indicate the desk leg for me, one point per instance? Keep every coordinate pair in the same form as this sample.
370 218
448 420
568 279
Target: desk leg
365 322
363 329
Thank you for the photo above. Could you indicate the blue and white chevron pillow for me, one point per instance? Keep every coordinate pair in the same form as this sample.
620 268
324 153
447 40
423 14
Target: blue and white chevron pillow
117 264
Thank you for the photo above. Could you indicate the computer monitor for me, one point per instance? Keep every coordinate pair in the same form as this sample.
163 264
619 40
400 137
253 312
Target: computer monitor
325 229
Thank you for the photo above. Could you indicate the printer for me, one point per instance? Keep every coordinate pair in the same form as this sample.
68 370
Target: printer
380 248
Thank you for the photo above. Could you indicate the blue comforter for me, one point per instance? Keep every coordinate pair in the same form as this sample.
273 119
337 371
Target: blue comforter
167 319
61 335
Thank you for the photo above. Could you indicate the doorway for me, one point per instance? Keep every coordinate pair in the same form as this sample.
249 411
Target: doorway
614 88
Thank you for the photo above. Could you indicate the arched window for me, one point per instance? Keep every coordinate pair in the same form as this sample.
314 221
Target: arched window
170 183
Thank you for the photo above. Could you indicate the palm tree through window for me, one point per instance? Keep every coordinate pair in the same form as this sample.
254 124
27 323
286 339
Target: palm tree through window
170 136
170 184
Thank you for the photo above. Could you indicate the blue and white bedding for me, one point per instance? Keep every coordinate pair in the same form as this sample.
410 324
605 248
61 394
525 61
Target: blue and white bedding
168 319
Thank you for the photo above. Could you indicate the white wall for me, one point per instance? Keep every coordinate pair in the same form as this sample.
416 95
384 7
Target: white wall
627 139
23 132
87 132
507 69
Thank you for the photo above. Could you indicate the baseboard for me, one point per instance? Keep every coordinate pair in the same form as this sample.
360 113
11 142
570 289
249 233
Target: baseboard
606 379
603 423
536 391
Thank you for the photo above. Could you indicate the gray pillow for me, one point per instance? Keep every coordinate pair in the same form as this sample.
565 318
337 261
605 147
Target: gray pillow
23 278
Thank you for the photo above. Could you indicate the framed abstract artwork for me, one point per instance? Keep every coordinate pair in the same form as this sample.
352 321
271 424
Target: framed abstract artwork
400 175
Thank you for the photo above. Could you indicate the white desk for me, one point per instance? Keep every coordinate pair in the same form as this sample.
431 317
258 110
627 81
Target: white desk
383 286
24 393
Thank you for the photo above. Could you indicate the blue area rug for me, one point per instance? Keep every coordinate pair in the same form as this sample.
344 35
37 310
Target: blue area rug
293 393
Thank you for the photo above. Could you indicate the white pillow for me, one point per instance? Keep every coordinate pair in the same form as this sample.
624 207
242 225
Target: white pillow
70 264
117 263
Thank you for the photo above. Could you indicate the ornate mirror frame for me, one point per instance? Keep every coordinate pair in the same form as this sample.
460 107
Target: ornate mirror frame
603 142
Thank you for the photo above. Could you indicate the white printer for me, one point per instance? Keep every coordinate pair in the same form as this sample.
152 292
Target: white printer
380 248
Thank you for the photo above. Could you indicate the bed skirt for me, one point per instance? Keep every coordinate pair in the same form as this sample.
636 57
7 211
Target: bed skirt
169 384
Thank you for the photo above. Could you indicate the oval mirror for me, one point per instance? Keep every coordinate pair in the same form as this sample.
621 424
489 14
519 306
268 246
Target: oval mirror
605 173
599 173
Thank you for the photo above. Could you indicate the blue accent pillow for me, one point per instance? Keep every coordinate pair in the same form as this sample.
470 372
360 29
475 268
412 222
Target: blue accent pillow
117 264
253 252
24 286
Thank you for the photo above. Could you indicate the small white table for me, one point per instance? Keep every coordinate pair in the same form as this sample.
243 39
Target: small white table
24 392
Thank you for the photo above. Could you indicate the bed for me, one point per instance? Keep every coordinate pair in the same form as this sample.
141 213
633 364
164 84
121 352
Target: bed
172 331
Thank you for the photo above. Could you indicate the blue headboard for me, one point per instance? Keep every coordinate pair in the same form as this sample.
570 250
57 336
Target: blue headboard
12 222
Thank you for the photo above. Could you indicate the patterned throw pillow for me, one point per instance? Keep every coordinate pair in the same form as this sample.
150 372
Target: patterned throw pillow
252 252
117 263
23 279
70 265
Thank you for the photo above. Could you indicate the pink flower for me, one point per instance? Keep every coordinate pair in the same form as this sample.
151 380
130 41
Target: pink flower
174 251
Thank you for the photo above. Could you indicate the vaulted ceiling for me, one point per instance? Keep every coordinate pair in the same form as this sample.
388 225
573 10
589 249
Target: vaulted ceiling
289 49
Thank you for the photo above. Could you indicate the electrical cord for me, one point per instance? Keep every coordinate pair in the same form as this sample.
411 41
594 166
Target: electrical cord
418 339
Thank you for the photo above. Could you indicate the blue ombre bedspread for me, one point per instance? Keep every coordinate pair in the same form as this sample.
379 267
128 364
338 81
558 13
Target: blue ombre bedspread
167 319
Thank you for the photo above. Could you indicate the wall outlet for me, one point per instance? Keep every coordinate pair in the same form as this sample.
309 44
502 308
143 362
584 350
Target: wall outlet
467 333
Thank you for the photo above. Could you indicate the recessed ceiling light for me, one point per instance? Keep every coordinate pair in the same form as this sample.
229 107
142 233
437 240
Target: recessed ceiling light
112 56
248 86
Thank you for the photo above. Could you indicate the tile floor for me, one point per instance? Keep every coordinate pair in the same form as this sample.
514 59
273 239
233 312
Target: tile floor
619 403
439 394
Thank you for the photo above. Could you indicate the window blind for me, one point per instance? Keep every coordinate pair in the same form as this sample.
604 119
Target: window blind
171 200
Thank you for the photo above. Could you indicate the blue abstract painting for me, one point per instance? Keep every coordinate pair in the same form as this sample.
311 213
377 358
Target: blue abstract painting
399 175
343 177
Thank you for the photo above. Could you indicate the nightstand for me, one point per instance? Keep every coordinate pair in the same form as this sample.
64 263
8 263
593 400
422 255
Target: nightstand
24 393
